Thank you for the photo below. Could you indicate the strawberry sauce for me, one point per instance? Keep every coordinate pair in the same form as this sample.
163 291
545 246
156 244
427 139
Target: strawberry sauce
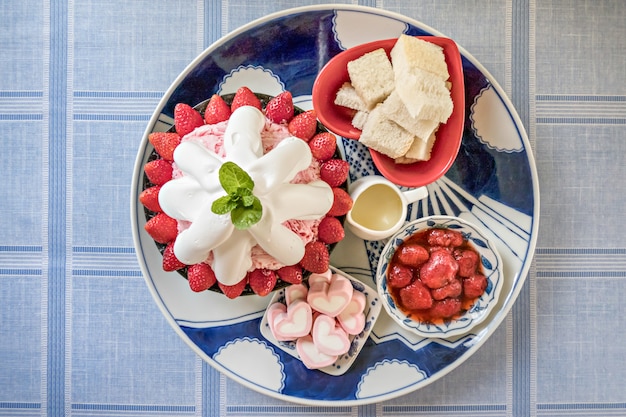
446 276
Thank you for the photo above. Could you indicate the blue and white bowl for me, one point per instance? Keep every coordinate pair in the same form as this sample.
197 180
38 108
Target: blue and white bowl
479 311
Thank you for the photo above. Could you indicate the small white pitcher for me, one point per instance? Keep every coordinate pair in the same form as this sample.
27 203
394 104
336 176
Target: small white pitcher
379 207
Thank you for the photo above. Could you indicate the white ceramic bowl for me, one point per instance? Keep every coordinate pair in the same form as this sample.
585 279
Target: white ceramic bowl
481 308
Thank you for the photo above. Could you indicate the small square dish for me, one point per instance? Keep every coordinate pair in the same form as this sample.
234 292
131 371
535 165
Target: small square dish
372 310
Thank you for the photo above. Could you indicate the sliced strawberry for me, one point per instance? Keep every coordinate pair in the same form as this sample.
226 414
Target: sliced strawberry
170 261
164 143
330 230
158 171
342 202
233 291
304 125
150 198
280 108
186 119
316 257
244 97
334 172
323 146
262 281
217 110
201 277
291 274
162 228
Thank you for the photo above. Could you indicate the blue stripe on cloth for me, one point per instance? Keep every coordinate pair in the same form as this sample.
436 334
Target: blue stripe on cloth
21 94
57 222
132 407
20 271
119 94
211 396
582 406
211 388
483 409
212 22
520 86
105 273
113 117
15 405
287 410
103 249
369 410
20 117
20 409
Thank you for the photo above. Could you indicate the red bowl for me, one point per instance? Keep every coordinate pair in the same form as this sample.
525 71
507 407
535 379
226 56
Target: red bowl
338 119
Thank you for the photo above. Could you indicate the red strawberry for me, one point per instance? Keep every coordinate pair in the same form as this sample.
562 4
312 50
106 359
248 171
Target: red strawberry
170 261
330 230
416 296
158 171
150 198
334 172
412 254
323 146
233 291
342 203
165 143
201 277
291 274
316 257
262 281
217 110
186 118
280 108
162 228
399 276
244 97
304 125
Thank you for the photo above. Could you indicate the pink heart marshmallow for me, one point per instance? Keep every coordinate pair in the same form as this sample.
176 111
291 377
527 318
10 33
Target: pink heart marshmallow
329 337
274 310
331 298
352 318
310 355
323 277
296 292
294 323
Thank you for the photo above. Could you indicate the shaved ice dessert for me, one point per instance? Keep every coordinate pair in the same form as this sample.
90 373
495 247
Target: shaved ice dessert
245 194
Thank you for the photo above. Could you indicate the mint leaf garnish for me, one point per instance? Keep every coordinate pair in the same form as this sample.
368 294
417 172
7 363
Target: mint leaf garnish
244 207
232 178
223 205
244 217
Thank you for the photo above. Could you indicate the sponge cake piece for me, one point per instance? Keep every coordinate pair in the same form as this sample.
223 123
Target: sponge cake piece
410 53
383 135
393 107
372 77
419 151
421 75
348 97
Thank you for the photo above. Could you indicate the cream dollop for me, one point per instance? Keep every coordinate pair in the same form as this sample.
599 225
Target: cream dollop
189 198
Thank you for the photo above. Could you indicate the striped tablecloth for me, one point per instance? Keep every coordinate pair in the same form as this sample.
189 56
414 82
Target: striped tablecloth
78 83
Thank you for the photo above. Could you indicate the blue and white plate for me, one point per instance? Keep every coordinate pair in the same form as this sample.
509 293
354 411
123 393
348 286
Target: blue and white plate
493 183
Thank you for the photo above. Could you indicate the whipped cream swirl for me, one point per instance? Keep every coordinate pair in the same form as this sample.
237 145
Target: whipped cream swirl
189 198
